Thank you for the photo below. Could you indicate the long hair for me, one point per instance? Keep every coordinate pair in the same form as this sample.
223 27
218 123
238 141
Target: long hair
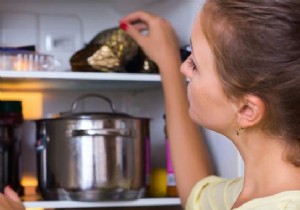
256 44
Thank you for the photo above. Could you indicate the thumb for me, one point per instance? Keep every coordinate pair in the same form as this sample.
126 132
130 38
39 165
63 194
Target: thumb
8 191
133 32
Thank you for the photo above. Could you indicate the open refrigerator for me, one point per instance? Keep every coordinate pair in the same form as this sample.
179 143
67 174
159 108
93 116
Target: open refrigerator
58 28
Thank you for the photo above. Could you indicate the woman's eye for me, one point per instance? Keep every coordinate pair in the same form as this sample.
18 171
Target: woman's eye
191 64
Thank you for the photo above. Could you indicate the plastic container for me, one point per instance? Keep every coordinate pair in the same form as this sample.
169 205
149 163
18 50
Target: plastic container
22 60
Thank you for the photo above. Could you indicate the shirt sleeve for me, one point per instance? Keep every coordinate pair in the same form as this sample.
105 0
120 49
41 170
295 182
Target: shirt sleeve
214 193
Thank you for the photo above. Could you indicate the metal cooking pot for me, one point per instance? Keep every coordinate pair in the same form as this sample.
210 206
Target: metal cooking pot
91 156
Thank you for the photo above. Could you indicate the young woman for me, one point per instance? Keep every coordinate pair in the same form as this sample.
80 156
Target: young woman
244 82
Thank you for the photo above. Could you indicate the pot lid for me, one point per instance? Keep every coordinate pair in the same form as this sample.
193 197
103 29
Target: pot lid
92 115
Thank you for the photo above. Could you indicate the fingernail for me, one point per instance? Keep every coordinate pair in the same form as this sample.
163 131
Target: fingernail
124 26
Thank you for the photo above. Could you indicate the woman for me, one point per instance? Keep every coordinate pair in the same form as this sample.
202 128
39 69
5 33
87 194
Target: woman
244 82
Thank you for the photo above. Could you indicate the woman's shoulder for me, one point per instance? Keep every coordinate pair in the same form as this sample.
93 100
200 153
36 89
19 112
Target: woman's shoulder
288 200
214 193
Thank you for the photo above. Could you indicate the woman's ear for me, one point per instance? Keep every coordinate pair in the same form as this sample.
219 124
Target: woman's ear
251 111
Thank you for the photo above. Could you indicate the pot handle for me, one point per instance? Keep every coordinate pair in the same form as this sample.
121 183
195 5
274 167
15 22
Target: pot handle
74 104
101 132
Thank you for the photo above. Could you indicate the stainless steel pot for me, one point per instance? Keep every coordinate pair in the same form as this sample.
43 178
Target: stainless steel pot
91 156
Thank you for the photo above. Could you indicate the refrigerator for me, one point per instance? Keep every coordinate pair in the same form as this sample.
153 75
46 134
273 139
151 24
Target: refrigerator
60 28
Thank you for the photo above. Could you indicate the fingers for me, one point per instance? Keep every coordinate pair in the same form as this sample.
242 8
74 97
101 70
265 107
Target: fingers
140 26
159 32
3 201
11 194
10 200
137 22
138 16
135 34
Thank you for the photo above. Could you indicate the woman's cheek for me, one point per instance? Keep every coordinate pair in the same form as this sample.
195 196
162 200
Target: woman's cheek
193 107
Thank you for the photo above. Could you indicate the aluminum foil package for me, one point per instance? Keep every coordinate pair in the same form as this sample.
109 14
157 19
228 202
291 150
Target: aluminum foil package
112 50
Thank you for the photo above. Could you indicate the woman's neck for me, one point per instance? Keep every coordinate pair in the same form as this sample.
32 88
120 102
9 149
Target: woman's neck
265 165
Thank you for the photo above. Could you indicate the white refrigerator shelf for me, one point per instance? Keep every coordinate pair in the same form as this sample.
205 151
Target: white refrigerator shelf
80 204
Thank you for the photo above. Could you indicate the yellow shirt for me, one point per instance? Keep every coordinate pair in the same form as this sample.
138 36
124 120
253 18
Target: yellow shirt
215 193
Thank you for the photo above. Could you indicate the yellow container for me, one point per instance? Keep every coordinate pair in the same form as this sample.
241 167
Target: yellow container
158 182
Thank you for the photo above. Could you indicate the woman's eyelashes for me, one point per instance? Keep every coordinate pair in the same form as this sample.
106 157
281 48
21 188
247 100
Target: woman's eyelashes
191 63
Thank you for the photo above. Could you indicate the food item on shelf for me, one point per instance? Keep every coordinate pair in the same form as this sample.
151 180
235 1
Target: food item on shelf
158 182
11 120
171 182
104 59
120 44
112 50
79 60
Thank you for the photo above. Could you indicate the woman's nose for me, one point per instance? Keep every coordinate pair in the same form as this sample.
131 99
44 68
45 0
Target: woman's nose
184 69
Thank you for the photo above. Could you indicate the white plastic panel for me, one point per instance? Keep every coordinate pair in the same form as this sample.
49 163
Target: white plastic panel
60 35
18 29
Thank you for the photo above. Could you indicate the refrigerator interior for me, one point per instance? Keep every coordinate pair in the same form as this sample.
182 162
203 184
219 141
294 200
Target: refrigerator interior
61 27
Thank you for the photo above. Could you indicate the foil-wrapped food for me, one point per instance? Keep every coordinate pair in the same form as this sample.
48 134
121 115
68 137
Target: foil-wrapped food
112 50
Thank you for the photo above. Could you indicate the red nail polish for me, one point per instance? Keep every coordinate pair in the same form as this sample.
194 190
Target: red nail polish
124 26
